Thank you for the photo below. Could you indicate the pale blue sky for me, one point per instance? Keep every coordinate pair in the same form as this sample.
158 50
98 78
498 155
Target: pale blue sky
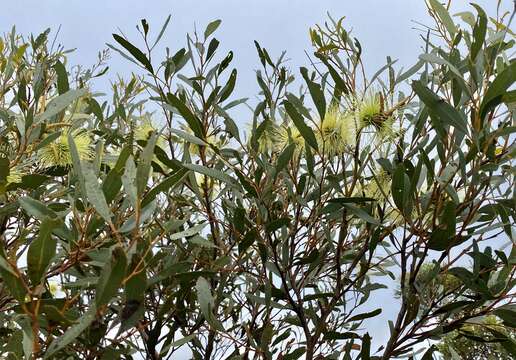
384 27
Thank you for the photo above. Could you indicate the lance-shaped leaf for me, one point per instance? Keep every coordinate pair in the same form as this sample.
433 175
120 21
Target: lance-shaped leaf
134 51
442 237
300 124
206 302
71 333
94 192
440 109
59 103
401 189
193 121
165 185
62 77
144 167
42 250
36 208
111 277
444 16
479 32
316 93
229 87
11 278
212 26
497 90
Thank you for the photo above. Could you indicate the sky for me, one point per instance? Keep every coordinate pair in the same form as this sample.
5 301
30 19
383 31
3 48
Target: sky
384 27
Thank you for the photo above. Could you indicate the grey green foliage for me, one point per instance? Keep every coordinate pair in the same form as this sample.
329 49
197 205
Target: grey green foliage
130 233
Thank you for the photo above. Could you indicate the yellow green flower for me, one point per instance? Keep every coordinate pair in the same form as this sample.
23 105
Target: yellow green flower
369 108
370 113
15 176
269 138
287 133
379 186
337 131
204 182
144 129
57 153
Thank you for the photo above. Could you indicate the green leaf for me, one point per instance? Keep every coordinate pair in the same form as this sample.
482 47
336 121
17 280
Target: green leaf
339 82
111 277
428 355
72 332
94 192
442 237
206 301
316 93
129 181
29 182
162 31
62 77
214 173
365 315
439 108
479 32
401 190
193 122
361 214
11 279
36 208
508 314
365 351
182 341
42 250
188 232
229 87
351 200
59 104
4 169
144 166
164 186
134 51
76 161
284 158
444 16
494 95
300 124
188 137
212 26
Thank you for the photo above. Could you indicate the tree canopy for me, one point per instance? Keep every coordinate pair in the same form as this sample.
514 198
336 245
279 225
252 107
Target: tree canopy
170 217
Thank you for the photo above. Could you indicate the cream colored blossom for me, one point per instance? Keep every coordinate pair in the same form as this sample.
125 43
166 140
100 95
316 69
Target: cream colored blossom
287 133
206 183
337 131
15 176
57 153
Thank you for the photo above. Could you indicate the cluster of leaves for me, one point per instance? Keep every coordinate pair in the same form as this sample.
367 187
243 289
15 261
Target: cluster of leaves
127 233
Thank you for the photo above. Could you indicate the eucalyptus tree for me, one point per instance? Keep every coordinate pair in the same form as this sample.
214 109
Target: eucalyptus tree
151 225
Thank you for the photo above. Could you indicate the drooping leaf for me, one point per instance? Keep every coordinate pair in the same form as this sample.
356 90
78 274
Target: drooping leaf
300 124
134 51
95 193
494 95
111 277
42 250
190 118
59 104
71 333
440 109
